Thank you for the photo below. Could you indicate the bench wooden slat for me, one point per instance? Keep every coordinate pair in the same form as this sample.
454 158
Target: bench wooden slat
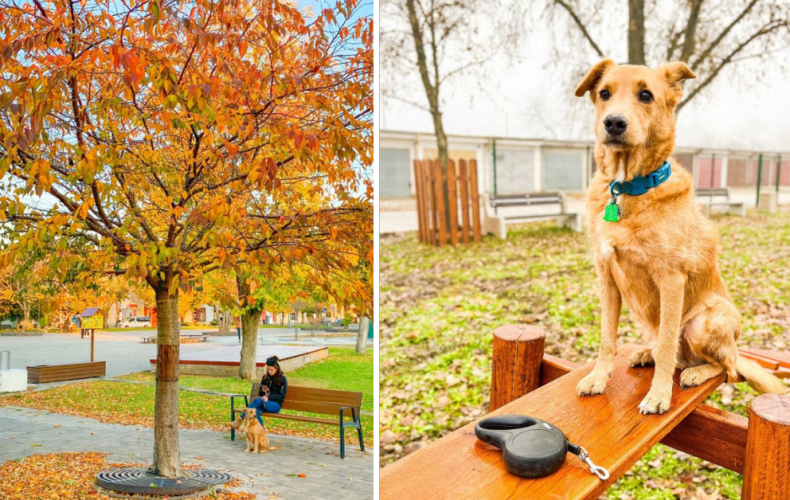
709 433
609 426
41 374
314 395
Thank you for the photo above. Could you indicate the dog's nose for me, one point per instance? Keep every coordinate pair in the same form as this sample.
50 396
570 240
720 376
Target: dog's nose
615 124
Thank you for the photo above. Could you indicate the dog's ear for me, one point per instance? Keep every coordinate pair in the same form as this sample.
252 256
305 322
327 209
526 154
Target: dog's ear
594 76
675 73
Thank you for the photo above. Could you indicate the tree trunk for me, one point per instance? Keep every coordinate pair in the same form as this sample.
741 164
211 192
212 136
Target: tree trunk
167 455
249 343
26 321
636 32
362 336
223 321
431 90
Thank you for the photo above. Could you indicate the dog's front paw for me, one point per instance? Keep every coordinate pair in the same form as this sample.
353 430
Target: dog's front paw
656 401
642 357
255 452
592 384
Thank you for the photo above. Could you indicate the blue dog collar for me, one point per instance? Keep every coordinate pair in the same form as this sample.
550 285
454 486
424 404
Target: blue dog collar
642 184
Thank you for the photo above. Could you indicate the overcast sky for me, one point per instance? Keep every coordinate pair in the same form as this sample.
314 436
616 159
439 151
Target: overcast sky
533 98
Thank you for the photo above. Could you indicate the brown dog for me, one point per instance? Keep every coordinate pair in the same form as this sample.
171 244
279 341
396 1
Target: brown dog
660 256
256 436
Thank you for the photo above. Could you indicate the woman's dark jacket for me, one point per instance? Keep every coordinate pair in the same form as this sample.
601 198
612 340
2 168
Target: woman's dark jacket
276 390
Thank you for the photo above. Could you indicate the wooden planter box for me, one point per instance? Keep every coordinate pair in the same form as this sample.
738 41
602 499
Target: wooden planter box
56 373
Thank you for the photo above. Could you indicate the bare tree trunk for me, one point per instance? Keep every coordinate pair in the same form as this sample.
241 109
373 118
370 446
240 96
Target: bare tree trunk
431 88
636 32
362 335
167 455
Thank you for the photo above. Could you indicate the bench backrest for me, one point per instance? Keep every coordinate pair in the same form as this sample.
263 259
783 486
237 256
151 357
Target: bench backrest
713 192
526 199
316 400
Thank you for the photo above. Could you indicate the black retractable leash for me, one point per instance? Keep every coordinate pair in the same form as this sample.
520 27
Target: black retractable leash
532 447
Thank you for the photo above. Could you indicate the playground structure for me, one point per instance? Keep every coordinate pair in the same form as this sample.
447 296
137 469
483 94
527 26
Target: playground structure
526 381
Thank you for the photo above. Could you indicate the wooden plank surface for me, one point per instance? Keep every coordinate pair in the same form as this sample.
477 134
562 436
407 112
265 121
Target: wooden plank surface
438 187
463 182
420 207
452 202
475 199
430 205
709 433
609 426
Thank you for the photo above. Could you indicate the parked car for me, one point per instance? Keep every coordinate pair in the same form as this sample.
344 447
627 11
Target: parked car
136 322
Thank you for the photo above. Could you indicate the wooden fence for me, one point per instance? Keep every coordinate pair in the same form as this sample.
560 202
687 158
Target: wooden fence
462 200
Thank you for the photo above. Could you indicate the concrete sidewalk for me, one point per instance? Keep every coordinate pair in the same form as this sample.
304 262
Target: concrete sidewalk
25 432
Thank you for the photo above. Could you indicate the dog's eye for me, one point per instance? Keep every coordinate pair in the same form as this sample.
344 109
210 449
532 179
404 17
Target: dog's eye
645 96
605 95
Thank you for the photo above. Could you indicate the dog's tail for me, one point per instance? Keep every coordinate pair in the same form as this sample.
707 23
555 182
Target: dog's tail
760 380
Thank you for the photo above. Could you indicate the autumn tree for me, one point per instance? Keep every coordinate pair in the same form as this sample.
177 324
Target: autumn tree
708 35
147 127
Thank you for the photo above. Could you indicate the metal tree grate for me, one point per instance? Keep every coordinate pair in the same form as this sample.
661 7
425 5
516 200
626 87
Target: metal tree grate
139 480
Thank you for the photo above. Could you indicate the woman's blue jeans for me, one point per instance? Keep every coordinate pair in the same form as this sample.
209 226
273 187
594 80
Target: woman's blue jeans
260 407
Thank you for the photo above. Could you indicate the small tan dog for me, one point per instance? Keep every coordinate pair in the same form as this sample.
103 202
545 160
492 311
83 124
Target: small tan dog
660 256
256 436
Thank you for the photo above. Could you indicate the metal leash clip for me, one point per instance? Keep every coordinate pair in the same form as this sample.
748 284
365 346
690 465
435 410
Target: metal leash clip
599 471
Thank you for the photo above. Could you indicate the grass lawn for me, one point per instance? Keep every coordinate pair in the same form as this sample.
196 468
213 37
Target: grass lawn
133 404
440 307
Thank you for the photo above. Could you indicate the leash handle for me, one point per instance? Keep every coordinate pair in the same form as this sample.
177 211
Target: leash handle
599 471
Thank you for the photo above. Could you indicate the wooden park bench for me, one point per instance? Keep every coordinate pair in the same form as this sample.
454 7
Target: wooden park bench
41 374
719 197
313 400
524 381
497 224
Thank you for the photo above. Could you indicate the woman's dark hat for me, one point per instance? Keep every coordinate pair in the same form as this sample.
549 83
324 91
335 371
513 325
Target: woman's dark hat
272 361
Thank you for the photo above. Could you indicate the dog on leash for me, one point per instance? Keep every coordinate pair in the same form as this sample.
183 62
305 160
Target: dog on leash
256 436
653 249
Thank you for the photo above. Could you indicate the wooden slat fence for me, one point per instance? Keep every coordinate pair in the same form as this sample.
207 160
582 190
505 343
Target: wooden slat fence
462 199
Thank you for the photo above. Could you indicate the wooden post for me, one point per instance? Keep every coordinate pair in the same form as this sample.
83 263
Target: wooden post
92 330
766 475
515 366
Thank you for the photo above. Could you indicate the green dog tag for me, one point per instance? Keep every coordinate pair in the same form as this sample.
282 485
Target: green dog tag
612 213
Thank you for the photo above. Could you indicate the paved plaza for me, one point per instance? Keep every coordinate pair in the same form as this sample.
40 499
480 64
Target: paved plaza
125 352
25 432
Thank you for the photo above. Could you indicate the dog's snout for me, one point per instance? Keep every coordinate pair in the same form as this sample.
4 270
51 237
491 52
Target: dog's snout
615 124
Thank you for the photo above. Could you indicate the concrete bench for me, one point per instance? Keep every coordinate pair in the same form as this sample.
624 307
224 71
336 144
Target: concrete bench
497 224
719 197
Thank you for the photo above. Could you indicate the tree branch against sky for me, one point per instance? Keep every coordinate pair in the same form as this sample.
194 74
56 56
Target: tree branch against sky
151 125
711 36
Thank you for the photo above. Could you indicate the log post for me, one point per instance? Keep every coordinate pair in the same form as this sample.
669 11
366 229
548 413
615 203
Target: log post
766 474
515 365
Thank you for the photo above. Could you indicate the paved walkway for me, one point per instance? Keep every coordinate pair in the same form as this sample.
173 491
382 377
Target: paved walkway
25 432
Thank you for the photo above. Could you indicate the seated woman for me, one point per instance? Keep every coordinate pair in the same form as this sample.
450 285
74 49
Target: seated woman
274 385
